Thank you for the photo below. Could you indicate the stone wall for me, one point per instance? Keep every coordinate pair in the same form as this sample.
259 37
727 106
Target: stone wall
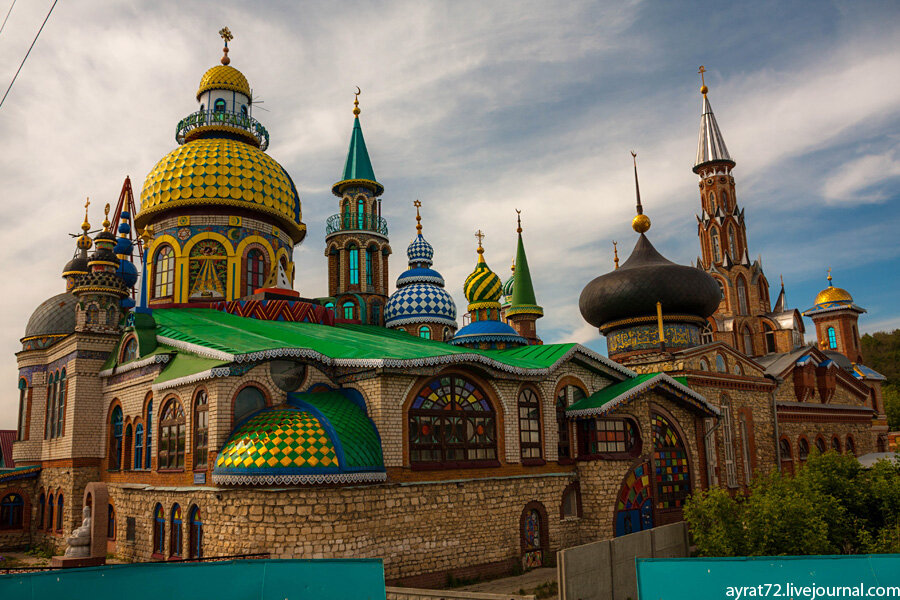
13 539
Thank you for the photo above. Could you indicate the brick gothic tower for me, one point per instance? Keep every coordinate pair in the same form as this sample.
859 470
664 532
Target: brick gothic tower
356 239
744 318
835 316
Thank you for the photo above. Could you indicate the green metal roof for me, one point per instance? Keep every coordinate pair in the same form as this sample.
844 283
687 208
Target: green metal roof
358 165
230 338
523 299
607 399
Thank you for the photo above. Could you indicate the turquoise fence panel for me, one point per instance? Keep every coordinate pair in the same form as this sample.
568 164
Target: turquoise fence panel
361 579
796 577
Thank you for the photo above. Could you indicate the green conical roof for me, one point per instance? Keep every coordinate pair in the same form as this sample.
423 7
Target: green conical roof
358 166
523 300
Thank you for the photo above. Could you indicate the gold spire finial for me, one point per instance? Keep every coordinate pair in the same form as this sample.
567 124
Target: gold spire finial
106 217
356 110
829 276
226 35
512 267
85 226
782 281
480 236
703 88
616 253
417 204
641 222
519 219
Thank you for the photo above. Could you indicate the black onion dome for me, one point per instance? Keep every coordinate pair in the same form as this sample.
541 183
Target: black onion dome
76 265
105 235
106 255
644 279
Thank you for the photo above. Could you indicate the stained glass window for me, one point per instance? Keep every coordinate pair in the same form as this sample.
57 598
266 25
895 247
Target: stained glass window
451 421
147 449
175 534
425 332
164 272
11 509
611 436
256 271
531 533
195 541
159 530
529 424
201 429
93 315
171 436
673 482
634 504
207 270
130 352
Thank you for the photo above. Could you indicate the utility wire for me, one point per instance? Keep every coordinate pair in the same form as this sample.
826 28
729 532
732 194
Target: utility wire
7 15
27 53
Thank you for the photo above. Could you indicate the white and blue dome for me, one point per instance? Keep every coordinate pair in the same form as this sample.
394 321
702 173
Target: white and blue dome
420 251
423 303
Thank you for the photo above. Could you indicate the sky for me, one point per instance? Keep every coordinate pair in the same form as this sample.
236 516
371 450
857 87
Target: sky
479 109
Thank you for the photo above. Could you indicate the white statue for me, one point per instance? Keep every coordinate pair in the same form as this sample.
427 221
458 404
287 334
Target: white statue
80 540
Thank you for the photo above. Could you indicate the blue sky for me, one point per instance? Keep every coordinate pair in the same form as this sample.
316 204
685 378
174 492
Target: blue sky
478 109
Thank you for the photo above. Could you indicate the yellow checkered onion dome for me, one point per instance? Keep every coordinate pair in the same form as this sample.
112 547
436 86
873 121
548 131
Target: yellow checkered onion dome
217 172
483 285
224 77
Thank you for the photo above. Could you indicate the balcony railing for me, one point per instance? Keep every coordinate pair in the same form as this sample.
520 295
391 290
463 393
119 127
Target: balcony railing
206 118
351 221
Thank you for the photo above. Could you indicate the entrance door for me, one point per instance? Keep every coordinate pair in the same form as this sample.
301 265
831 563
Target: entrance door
634 506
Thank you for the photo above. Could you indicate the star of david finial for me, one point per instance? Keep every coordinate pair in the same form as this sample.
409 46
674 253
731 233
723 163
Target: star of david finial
703 88
417 204
226 35
480 236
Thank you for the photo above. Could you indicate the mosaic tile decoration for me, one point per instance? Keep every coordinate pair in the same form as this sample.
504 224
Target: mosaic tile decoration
636 489
673 482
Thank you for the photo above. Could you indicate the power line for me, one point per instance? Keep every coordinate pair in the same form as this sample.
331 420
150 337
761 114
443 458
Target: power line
7 15
27 53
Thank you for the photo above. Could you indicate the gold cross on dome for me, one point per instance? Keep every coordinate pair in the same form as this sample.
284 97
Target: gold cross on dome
480 235
702 77
226 35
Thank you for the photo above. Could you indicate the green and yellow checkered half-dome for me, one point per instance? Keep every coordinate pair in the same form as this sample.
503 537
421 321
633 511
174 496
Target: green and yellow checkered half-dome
223 77
483 285
329 441
218 173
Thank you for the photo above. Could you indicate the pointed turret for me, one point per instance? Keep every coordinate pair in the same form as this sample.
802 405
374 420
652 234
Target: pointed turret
780 302
358 167
523 309
711 145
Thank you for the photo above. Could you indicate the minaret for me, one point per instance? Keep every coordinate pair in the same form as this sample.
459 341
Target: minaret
523 310
723 244
356 239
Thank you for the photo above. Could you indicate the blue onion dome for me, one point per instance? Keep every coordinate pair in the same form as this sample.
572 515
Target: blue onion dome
420 275
420 303
487 332
127 272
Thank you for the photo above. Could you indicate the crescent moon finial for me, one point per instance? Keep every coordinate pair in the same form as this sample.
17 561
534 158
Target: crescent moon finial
356 110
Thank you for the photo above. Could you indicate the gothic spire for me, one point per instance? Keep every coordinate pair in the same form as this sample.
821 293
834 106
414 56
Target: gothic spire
711 145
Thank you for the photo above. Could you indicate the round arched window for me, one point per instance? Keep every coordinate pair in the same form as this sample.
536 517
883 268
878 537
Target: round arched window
249 400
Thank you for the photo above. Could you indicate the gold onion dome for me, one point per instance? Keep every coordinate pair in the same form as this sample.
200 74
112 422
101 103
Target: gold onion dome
224 77
833 294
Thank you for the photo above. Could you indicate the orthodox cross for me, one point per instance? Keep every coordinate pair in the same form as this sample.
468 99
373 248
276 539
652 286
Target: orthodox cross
829 275
480 235
226 35
702 77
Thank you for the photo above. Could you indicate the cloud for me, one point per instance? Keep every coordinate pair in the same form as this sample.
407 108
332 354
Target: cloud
858 180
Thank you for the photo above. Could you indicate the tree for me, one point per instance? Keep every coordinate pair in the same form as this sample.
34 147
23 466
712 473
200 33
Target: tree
891 395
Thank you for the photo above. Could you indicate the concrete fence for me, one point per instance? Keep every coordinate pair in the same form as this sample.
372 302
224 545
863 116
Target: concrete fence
606 570
398 593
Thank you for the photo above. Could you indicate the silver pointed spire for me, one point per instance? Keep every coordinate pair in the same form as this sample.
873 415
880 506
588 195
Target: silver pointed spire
711 145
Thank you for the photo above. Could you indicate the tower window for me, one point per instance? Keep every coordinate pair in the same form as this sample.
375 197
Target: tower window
219 106
171 436
832 338
256 271
742 296
370 264
770 338
354 264
164 272
721 367
425 332
115 450
706 334
716 244
360 213
748 341
348 310
732 243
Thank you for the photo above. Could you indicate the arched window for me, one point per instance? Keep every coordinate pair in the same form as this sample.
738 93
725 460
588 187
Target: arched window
353 252
724 200
50 430
171 436
532 534
728 442
820 445
12 507
784 446
59 512
565 397
110 522
93 315
370 264
850 446
376 313
802 449
201 429
721 366
195 533
832 338
346 210
130 350
256 271
706 335
50 506
249 400
349 310
62 390
126 448
139 446
219 105
742 296
836 444
175 532
529 425
738 369
451 424
149 444
748 341
712 203
769 334
42 509
164 272
745 445
159 530
673 479
23 394
360 213
445 333
716 244
115 436
425 332
571 502
704 364
732 244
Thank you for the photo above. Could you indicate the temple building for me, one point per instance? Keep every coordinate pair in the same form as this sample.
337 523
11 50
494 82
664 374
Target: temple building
182 386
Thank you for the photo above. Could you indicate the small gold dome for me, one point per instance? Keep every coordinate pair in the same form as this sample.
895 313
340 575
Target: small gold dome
833 294
640 223
223 77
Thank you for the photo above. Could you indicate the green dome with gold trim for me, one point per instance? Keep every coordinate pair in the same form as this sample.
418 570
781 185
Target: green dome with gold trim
483 285
222 172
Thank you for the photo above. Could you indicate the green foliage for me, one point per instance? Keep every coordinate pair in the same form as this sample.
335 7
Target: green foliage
881 351
891 396
42 550
831 506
